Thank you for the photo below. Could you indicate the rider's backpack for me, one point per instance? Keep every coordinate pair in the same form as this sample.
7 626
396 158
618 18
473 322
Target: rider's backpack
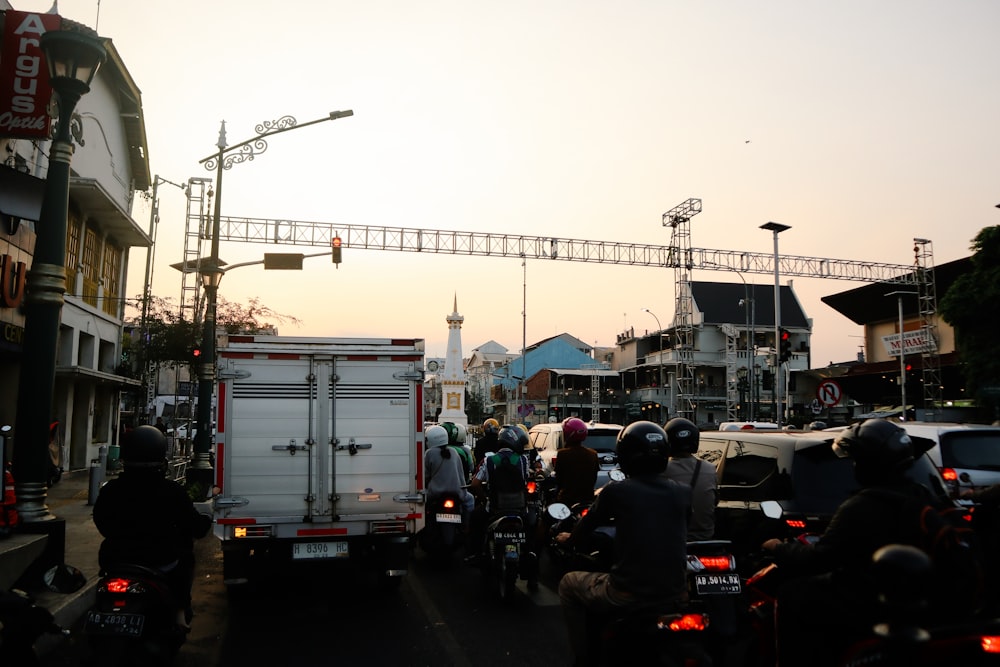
506 483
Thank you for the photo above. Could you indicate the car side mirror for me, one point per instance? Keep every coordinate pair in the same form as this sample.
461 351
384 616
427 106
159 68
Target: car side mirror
771 509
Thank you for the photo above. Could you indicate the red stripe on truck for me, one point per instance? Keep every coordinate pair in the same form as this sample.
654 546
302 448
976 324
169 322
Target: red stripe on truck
237 522
311 532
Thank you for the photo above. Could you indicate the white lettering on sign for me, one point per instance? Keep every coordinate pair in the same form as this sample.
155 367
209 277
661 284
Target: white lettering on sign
914 342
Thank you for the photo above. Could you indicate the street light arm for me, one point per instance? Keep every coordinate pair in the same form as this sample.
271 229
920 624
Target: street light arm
256 145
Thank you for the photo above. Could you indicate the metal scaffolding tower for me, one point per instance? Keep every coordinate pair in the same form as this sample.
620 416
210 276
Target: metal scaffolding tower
923 251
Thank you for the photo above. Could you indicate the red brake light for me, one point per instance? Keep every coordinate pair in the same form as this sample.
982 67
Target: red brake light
118 585
795 523
531 487
716 563
949 474
991 644
449 504
683 622
584 511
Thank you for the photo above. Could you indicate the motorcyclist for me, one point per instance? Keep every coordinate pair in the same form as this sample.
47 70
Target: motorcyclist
511 441
838 589
457 434
444 472
149 520
650 514
575 465
487 442
682 441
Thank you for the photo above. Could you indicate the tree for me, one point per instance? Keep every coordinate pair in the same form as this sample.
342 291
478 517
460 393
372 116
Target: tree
969 306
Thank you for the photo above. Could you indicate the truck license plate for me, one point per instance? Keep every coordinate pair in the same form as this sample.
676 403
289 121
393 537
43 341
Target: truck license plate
449 518
310 550
717 584
127 625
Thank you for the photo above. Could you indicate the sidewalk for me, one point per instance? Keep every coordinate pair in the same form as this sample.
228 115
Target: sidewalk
68 500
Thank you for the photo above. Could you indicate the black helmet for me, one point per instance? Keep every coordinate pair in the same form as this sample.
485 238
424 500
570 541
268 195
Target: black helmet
879 448
144 447
682 436
512 437
642 449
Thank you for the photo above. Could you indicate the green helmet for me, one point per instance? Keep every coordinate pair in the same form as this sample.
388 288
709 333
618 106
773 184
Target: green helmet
452 431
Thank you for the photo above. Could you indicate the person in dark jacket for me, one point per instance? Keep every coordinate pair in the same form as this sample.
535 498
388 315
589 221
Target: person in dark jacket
149 520
834 586
650 514
487 442
575 465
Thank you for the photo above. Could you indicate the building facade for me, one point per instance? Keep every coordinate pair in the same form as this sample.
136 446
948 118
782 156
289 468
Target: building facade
109 170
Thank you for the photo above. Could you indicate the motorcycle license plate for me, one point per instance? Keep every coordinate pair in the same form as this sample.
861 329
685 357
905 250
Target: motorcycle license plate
114 624
511 538
313 550
717 584
449 518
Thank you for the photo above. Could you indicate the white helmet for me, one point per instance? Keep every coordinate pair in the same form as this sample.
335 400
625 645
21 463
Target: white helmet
435 436
462 434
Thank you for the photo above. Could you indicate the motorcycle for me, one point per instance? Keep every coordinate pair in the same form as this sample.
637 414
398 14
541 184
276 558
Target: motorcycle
443 531
134 618
22 622
714 582
907 634
665 633
596 555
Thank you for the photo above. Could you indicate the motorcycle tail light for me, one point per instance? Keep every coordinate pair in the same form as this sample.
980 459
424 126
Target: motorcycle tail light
122 585
949 474
449 504
716 563
532 486
795 523
584 511
683 622
990 643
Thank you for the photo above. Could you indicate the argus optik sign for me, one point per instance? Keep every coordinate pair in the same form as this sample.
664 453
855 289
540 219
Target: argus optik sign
24 79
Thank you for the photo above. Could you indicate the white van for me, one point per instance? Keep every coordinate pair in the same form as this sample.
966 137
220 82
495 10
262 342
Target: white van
546 439
968 455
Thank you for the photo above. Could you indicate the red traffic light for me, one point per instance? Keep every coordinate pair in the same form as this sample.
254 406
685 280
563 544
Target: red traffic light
196 352
335 243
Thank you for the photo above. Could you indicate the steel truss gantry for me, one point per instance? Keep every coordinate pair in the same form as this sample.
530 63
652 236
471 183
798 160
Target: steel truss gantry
679 256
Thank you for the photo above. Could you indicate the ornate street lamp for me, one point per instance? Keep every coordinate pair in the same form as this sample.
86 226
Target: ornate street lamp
73 57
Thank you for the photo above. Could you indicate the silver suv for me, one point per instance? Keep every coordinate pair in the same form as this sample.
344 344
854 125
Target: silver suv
546 439
968 455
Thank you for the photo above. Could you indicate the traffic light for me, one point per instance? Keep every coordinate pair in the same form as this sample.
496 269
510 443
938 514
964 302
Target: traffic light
784 346
335 244
195 353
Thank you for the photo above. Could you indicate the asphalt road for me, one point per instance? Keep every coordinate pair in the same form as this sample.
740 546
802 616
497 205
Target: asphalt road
437 616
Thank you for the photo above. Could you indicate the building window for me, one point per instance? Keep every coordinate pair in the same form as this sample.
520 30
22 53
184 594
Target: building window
110 271
72 253
91 266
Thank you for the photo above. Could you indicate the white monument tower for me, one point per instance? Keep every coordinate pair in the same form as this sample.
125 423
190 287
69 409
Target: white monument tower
453 379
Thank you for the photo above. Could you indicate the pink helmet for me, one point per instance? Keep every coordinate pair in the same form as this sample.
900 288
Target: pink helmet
574 431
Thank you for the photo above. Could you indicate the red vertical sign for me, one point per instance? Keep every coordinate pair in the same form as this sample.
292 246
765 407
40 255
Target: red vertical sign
24 77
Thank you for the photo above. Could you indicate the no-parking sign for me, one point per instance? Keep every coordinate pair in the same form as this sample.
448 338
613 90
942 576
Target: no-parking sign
829 393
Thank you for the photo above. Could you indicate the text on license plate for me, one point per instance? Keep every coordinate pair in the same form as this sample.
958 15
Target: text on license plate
510 537
449 518
308 550
129 625
717 584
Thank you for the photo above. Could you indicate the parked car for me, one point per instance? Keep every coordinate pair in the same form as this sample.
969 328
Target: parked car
798 469
748 426
546 439
968 455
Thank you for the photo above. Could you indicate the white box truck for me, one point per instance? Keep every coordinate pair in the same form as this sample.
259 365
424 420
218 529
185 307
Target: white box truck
318 452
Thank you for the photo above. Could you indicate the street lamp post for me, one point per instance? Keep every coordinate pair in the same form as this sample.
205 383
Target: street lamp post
73 58
200 472
899 294
659 382
779 379
741 384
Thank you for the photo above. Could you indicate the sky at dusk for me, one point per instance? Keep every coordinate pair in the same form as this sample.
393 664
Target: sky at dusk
859 124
